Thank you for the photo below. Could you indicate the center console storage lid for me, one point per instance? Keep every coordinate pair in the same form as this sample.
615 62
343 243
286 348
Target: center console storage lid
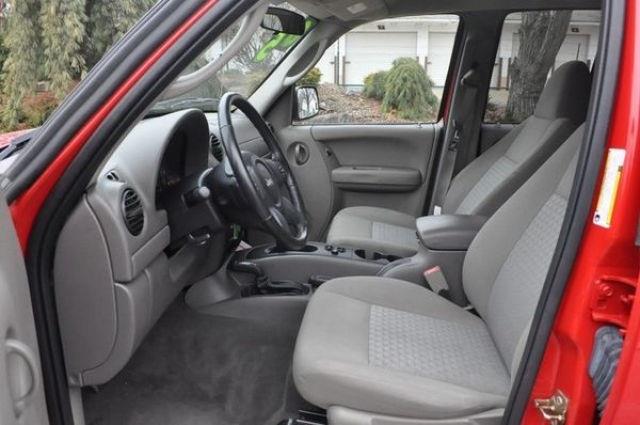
449 232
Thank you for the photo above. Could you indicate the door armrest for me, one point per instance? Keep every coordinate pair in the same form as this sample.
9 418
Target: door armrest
376 179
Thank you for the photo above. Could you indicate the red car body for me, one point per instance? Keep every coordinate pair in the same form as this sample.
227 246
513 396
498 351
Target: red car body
605 254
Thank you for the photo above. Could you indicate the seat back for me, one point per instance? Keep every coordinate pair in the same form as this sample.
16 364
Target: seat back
507 263
492 178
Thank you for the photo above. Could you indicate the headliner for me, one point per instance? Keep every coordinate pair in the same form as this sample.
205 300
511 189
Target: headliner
358 11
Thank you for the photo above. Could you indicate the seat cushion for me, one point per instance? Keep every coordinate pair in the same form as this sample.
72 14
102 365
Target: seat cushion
377 229
391 347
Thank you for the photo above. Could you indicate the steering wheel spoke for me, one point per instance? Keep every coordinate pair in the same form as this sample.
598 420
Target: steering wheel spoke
290 213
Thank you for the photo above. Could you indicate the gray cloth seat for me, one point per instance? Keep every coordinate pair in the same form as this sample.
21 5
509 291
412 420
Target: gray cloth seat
380 346
487 182
377 229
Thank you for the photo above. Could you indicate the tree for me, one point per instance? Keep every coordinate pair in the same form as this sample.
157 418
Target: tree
108 21
20 68
311 78
62 41
408 91
4 8
3 53
70 35
374 85
541 36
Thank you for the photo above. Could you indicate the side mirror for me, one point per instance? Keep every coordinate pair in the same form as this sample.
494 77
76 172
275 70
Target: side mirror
283 21
307 102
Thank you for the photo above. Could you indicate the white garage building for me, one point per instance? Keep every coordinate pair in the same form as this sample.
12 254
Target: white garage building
373 47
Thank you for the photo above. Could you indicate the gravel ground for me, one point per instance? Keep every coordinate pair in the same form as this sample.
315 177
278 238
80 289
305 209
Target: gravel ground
343 107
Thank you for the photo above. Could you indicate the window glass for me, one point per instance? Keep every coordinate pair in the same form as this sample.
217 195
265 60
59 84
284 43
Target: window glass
243 73
388 71
47 48
533 45
41 61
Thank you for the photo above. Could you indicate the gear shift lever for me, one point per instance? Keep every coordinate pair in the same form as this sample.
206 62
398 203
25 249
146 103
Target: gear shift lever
247 267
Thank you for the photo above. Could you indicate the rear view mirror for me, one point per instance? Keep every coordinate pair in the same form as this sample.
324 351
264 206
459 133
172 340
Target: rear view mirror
283 21
307 102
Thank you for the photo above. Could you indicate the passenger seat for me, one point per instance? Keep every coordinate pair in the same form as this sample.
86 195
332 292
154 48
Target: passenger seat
487 182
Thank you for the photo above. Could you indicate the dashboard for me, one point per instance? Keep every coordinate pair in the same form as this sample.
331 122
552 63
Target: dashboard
142 236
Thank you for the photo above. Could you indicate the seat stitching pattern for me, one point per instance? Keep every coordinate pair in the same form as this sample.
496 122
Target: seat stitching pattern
395 234
522 276
458 353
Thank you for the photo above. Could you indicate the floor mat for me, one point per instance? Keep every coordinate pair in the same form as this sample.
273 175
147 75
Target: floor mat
197 369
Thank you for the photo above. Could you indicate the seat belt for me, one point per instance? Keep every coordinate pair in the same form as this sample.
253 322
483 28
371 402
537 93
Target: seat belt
454 137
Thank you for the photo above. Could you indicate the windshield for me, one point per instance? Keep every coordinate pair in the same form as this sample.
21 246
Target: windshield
243 73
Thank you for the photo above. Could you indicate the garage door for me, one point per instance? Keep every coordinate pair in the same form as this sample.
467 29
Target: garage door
368 52
440 48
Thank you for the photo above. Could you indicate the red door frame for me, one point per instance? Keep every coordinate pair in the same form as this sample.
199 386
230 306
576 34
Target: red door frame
605 255
604 252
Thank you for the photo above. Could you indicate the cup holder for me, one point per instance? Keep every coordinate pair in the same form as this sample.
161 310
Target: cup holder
309 248
365 254
277 250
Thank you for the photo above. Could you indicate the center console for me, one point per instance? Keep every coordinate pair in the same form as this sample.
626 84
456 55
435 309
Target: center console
442 241
316 262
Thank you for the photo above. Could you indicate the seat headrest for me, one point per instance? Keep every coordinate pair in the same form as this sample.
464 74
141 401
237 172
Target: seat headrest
566 94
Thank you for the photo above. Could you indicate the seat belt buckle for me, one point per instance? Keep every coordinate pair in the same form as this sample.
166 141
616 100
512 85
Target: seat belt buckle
436 281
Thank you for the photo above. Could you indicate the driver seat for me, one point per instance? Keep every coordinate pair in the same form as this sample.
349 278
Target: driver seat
378 350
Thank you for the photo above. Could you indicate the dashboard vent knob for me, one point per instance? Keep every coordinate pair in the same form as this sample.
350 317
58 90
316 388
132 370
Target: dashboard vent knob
216 148
132 211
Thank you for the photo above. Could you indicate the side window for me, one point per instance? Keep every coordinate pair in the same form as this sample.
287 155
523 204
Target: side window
532 45
391 71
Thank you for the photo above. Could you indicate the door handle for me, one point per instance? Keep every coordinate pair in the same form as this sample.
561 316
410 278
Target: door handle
300 153
14 347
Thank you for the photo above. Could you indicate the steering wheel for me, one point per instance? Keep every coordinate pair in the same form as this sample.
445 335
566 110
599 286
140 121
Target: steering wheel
266 183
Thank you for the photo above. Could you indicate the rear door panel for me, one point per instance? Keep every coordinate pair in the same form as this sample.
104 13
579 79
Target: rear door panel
21 395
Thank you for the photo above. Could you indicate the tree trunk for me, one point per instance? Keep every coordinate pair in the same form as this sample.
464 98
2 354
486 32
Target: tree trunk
541 35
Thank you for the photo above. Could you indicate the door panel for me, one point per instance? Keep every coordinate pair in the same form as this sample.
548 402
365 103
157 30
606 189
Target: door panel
21 394
312 173
352 165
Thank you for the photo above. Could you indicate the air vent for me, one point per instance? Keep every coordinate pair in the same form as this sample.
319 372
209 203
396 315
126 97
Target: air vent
132 212
216 148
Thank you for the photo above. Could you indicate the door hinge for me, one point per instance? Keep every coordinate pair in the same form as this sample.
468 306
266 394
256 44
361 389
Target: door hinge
553 409
612 298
